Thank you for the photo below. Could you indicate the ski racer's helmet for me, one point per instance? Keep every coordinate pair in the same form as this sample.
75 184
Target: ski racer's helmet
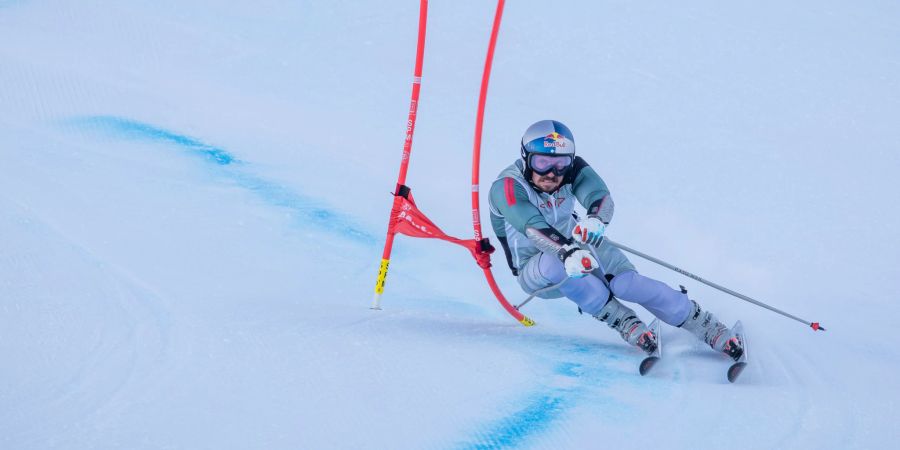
548 146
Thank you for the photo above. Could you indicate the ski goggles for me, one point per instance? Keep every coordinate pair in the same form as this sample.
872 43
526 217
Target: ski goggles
544 164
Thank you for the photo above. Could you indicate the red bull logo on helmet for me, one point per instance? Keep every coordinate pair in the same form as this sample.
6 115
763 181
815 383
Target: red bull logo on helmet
554 140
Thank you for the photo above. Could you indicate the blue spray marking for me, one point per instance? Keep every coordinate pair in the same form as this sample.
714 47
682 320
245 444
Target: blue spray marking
514 429
125 128
305 209
580 376
568 369
539 413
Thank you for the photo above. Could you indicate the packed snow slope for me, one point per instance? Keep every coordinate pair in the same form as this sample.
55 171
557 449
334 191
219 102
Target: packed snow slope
193 198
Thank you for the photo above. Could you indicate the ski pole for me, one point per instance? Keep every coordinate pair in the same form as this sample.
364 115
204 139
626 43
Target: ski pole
814 325
541 291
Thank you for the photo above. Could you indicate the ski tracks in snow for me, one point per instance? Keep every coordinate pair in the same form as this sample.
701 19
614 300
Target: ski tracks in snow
784 392
823 416
94 336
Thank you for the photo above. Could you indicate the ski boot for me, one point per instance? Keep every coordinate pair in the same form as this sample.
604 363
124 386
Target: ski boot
707 328
623 319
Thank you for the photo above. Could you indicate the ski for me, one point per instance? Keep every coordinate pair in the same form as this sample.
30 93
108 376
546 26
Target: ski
651 360
734 371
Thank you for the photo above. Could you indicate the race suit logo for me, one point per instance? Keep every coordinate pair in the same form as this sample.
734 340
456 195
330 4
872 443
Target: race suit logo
549 203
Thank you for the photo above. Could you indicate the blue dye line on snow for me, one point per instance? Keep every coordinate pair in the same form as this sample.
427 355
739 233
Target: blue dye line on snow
581 378
539 413
568 369
131 129
305 209
516 428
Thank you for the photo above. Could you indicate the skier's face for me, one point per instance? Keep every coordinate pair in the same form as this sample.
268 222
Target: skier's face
548 182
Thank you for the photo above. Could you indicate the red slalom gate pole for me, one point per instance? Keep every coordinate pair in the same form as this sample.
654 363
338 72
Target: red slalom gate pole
476 162
407 149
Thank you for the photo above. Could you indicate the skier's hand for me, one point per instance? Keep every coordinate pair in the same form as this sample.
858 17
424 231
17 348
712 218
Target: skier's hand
589 231
578 262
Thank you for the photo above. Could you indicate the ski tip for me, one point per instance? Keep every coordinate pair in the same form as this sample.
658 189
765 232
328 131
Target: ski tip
735 371
816 327
647 364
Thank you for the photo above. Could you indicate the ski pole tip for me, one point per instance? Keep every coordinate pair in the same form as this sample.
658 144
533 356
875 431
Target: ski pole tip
816 327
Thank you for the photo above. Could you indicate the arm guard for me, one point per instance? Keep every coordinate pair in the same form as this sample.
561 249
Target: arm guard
592 192
603 209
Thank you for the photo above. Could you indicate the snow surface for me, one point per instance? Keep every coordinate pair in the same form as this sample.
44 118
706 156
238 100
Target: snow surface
193 198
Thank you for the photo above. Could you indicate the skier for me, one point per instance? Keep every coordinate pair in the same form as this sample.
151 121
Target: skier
532 206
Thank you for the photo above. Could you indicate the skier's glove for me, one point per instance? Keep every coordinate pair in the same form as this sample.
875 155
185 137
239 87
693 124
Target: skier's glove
589 231
578 262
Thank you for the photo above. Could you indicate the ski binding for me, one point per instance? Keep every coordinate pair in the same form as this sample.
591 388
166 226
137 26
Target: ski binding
735 370
651 360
